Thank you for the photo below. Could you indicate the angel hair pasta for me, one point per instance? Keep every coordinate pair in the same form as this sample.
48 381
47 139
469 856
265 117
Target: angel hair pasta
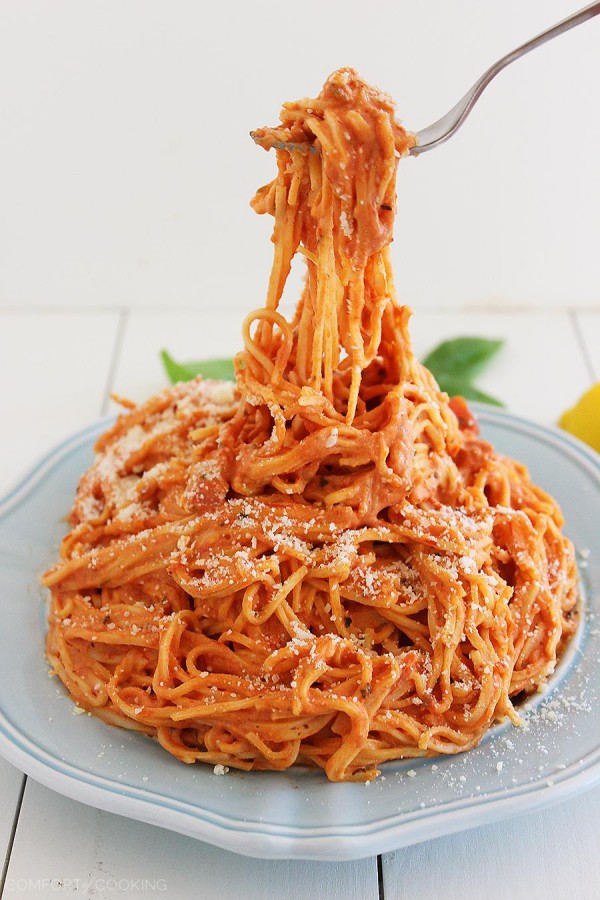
323 564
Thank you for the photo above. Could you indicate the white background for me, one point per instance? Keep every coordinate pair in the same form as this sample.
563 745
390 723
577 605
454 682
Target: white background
126 166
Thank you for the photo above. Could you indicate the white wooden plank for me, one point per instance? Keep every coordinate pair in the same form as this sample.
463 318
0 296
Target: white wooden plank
547 855
540 370
589 329
59 840
54 369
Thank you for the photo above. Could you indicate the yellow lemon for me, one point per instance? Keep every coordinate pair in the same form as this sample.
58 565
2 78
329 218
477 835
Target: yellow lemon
583 420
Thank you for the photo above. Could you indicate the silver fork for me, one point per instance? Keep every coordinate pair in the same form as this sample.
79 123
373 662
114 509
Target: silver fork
444 128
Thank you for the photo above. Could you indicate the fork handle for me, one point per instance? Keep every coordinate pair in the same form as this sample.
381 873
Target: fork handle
588 12
445 127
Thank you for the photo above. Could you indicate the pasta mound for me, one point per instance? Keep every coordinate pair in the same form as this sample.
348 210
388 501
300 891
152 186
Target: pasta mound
324 563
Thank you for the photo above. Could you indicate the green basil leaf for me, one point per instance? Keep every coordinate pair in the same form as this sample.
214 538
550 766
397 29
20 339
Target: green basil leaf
217 369
459 387
453 364
174 370
462 357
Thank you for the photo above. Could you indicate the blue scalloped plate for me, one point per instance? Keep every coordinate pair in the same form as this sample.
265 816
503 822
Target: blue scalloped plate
299 814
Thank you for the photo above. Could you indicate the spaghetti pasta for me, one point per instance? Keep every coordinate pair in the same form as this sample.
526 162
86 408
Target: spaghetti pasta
323 564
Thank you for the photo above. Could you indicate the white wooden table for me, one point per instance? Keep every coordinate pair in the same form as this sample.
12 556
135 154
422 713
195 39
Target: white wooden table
61 367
